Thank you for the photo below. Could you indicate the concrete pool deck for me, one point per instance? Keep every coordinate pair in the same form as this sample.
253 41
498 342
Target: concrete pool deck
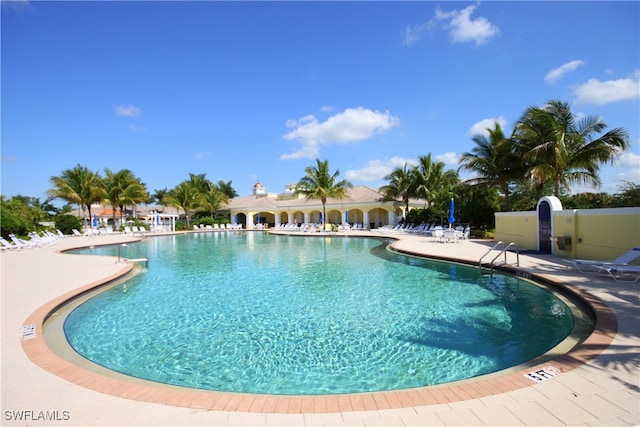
599 383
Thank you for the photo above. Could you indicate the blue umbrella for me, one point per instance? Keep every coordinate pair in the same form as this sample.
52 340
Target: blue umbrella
95 220
346 216
452 218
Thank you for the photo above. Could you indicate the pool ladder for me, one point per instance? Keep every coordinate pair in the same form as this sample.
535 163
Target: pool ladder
502 251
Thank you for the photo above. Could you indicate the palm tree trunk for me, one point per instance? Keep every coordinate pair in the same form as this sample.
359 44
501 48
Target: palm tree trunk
89 210
324 214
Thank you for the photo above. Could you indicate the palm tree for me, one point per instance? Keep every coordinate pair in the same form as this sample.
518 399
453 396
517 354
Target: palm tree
123 189
401 183
78 186
427 177
184 196
494 162
199 182
227 189
213 200
159 195
319 184
565 149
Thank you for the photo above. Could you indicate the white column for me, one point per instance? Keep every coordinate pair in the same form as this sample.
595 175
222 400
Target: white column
248 221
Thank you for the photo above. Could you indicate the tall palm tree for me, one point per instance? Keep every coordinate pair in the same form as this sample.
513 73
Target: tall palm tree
227 188
319 184
565 149
185 196
200 182
427 177
123 189
159 195
401 183
213 200
494 162
78 186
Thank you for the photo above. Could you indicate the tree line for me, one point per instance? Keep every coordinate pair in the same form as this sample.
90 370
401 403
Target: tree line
549 149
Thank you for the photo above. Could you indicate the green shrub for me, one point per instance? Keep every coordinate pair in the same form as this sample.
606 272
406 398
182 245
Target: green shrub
66 223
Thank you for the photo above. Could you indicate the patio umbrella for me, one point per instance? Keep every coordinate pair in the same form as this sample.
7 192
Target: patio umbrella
95 220
346 216
452 218
157 219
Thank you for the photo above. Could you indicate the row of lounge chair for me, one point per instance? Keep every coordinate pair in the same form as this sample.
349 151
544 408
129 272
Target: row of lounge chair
438 233
346 227
620 269
103 231
217 227
35 240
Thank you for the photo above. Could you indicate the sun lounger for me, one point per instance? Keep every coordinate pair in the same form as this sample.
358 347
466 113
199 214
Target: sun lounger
621 273
22 244
6 246
593 266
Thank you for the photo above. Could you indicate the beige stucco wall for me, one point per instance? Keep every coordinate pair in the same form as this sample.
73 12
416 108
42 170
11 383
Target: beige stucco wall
517 227
606 233
601 234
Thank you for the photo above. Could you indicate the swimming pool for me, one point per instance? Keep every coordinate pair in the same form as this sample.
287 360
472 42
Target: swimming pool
259 313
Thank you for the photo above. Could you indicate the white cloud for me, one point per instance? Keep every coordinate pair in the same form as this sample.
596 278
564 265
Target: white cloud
629 160
595 92
462 28
449 159
376 170
480 128
351 125
326 108
630 163
17 5
412 33
557 73
202 155
632 175
128 111
136 128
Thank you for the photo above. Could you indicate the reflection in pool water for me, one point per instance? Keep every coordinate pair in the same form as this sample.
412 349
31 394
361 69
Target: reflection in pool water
260 313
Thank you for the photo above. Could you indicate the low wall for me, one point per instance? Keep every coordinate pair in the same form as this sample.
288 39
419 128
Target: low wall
602 234
518 227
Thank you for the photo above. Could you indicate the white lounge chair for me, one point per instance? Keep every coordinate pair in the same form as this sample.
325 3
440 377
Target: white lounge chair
593 266
22 244
621 273
6 246
437 234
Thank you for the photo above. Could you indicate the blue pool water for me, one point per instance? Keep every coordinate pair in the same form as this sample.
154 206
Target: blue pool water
259 313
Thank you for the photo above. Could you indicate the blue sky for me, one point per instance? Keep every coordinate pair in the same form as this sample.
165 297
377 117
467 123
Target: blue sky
256 91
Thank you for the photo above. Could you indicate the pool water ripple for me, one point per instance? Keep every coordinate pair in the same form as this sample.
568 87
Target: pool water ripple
269 314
